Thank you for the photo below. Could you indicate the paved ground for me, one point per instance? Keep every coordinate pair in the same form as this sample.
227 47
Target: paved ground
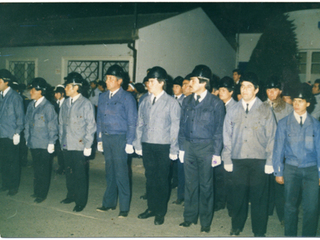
21 217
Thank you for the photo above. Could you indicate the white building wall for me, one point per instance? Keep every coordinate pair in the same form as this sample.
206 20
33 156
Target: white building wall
52 61
247 42
180 43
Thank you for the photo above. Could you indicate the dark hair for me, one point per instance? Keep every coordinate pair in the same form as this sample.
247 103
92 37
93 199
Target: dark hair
250 77
140 87
237 71
317 81
102 83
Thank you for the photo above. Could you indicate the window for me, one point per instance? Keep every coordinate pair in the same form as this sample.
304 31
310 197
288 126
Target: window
315 63
24 71
302 62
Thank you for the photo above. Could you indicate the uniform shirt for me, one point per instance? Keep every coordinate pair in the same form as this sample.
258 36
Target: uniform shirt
117 115
249 135
158 123
202 122
299 146
280 108
41 124
11 114
316 111
94 99
76 124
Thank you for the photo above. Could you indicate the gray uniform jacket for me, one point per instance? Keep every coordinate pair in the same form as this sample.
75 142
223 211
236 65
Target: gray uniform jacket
180 99
249 135
316 111
11 115
95 99
158 123
230 104
41 127
77 124
280 109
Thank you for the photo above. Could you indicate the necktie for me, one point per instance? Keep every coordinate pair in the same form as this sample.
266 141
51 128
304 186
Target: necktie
197 101
301 121
176 97
154 100
247 110
111 95
1 95
34 104
71 101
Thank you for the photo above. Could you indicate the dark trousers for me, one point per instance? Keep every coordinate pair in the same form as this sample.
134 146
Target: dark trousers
157 167
199 193
181 180
117 174
279 199
23 151
250 183
59 153
10 166
305 180
228 190
42 164
77 176
219 187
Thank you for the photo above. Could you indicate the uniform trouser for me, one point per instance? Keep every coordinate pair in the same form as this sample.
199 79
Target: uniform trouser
157 168
59 155
219 186
77 176
181 180
199 194
42 163
117 174
23 151
279 199
228 190
250 182
305 180
10 166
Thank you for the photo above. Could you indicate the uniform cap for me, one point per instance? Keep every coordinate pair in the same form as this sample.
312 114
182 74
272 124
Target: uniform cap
158 73
226 82
74 78
202 71
116 70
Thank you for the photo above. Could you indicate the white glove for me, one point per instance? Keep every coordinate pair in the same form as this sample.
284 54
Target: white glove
100 147
268 169
138 152
216 161
87 152
129 149
50 148
181 156
173 157
16 139
228 167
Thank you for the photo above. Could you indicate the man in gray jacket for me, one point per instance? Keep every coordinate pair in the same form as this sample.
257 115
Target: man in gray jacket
316 92
248 138
76 132
157 139
41 133
11 125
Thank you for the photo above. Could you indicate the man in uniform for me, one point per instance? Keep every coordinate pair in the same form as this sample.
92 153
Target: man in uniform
116 124
11 125
248 137
186 89
77 127
236 74
200 142
296 162
316 92
157 140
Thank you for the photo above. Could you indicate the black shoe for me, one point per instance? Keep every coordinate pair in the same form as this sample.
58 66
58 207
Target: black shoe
67 201
205 229
235 232
78 208
146 214
39 200
105 209
12 192
144 197
259 235
33 195
178 201
158 220
123 214
186 224
3 189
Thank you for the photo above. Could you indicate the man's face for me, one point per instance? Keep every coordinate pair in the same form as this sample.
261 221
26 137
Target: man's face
300 105
315 88
177 89
215 91
273 93
71 90
57 96
100 88
186 88
3 85
155 86
113 83
287 99
93 85
248 91
34 94
146 83
224 94
196 86
236 77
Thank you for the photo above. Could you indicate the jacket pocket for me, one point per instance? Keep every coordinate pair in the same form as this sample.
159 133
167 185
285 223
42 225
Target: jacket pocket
39 120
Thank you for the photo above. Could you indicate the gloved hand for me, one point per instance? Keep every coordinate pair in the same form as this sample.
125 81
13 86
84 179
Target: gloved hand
50 148
138 152
87 152
228 167
268 169
216 161
16 139
100 147
173 157
129 149
181 156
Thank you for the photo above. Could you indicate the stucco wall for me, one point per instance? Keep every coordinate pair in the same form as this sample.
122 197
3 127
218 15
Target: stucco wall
247 42
180 43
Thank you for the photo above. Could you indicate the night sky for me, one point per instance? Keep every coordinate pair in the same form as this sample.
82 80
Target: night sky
229 17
